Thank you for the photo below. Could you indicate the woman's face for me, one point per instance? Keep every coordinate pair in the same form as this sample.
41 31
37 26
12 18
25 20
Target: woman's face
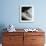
29 10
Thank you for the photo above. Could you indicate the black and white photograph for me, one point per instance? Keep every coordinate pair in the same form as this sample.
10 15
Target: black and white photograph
26 13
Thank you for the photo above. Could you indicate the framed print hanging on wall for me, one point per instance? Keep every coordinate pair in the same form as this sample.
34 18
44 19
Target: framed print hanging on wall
26 13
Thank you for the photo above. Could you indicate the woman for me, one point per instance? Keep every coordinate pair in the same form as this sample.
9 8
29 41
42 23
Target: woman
26 13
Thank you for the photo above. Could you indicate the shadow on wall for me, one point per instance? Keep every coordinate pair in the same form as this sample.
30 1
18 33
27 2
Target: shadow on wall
2 26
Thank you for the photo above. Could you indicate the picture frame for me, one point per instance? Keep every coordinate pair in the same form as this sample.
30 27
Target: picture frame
26 13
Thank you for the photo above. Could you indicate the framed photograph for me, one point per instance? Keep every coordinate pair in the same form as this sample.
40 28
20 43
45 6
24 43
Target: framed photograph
26 13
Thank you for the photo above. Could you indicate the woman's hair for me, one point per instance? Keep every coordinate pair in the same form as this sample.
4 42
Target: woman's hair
25 8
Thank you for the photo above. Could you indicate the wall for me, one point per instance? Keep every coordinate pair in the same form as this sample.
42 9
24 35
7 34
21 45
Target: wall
10 13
